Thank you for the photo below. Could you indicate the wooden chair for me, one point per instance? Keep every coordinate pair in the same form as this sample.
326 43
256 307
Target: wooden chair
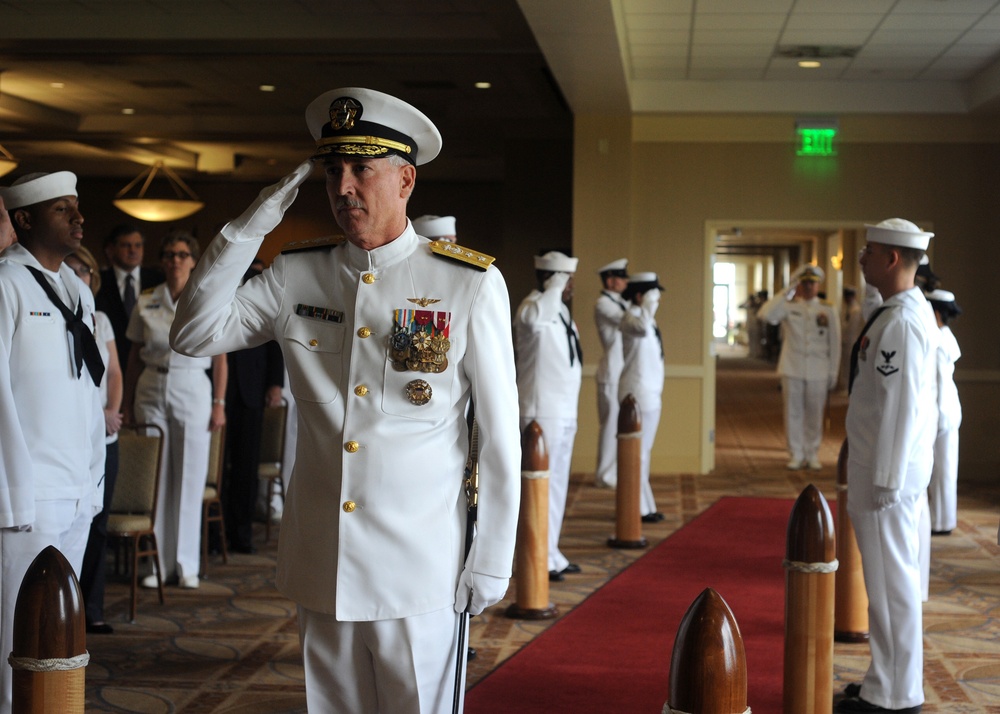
272 458
133 505
211 504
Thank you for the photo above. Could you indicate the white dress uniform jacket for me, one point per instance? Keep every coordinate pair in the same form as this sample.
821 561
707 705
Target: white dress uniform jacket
375 519
892 420
608 313
943 491
549 372
810 347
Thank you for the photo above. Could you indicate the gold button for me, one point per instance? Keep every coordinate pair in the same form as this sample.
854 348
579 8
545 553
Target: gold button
313 342
352 446
368 278
349 506
364 332
361 390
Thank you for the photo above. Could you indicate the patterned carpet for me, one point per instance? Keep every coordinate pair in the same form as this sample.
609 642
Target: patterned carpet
232 645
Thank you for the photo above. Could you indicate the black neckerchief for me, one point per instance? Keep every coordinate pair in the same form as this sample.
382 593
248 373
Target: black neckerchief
857 347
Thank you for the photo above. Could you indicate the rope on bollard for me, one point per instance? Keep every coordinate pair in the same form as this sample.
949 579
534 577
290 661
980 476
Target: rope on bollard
667 709
799 567
631 435
56 664
535 474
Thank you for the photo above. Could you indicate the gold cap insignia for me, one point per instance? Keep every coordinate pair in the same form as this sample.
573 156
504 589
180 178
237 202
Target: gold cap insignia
344 112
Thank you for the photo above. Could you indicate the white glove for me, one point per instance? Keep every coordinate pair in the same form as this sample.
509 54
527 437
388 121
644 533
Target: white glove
266 212
651 301
477 591
885 498
556 281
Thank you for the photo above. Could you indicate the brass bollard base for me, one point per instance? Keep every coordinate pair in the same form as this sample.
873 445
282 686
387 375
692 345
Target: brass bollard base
853 638
527 613
619 543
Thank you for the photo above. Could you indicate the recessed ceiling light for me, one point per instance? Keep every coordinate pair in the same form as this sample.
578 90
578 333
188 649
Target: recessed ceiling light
267 87
809 64
57 85
128 110
483 85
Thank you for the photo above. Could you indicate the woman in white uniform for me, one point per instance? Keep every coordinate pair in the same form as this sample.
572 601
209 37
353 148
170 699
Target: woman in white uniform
642 373
174 392
92 576
943 490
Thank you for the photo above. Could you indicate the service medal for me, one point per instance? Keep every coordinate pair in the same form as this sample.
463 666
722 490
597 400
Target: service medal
419 392
420 338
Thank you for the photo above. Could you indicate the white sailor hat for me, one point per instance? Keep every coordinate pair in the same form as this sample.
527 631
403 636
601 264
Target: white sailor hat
940 295
556 262
434 226
644 281
898 232
352 121
616 268
35 188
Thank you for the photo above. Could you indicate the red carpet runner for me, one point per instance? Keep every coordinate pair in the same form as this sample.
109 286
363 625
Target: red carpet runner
612 653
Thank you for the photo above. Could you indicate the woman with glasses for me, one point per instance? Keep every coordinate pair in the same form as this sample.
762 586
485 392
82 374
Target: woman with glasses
173 391
92 576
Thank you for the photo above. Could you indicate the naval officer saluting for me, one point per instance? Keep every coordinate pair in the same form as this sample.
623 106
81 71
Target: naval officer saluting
387 338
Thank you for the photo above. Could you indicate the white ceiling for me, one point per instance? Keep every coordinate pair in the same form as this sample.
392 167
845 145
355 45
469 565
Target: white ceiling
191 70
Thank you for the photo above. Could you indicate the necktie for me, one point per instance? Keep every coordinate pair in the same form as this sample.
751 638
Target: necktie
659 338
857 347
128 299
574 341
84 344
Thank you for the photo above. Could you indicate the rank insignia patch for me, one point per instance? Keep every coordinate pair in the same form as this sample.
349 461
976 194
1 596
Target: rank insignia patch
319 313
887 367
419 341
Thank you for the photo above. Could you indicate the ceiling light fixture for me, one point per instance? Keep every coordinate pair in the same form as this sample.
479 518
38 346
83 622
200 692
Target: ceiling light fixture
267 87
483 85
7 161
809 64
159 208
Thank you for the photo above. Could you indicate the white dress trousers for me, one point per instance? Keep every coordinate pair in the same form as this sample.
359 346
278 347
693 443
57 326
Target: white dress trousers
943 490
175 393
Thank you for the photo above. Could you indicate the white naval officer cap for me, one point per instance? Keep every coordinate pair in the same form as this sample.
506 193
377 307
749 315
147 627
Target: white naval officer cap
357 122
616 268
434 226
644 281
808 273
898 232
556 262
940 295
37 187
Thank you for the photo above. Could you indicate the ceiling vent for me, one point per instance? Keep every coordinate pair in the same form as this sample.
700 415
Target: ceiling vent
815 51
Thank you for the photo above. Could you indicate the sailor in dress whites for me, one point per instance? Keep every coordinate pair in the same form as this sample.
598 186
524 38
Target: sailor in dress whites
51 417
642 373
608 313
809 362
439 228
387 338
892 421
549 373
943 490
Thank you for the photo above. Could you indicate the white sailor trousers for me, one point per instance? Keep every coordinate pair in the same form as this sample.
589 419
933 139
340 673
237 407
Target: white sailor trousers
400 666
943 489
180 402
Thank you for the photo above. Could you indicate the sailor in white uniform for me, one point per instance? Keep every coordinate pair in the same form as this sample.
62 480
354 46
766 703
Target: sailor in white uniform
387 339
549 373
608 313
439 228
943 490
809 362
642 374
892 421
51 416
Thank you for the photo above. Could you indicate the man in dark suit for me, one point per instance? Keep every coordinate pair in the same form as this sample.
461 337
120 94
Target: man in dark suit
256 376
123 281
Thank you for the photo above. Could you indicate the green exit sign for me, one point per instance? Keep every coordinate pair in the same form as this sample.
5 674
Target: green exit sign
816 141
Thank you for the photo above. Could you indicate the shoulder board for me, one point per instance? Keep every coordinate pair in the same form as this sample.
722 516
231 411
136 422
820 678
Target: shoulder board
297 246
148 291
473 258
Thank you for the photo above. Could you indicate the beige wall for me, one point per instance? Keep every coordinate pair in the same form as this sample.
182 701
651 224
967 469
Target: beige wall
682 179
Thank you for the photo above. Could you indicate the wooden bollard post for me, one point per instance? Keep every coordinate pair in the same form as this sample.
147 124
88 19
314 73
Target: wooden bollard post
533 530
628 520
708 665
850 618
810 564
50 639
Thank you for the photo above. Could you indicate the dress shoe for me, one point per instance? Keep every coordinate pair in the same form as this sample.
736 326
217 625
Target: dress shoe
814 464
571 569
99 628
471 654
149 581
852 690
190 582
947 532
794 464
856 705
555 576
653 517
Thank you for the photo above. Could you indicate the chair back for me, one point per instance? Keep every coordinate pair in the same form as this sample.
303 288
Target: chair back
272 434
140 452
216 459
